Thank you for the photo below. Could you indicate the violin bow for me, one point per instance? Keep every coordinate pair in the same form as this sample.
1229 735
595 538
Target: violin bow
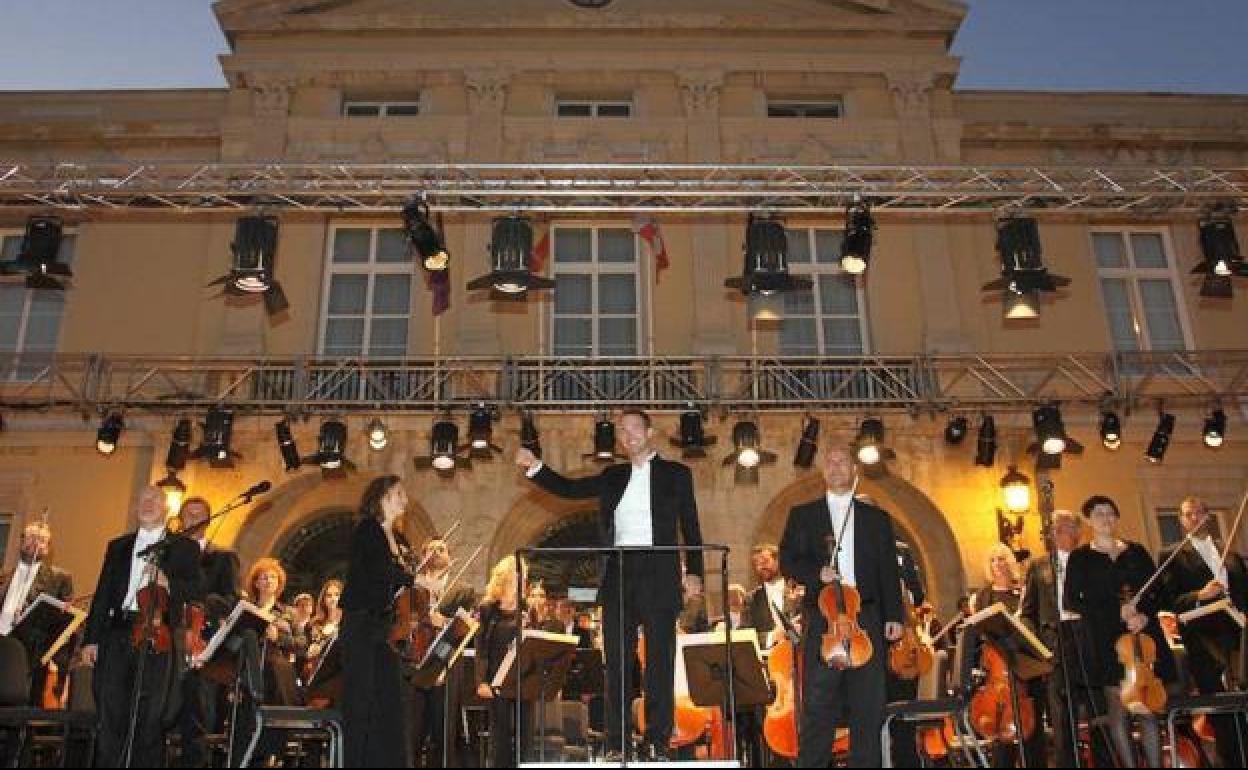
1230 536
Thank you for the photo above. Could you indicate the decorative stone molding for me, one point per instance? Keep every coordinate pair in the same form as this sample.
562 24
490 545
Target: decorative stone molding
487 90
270 93
700 91
912 93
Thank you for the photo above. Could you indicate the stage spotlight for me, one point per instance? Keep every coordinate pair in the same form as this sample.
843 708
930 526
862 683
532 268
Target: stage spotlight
179 446
511 251
1050 432
1222 258
693 440
766 268
986 443
443 444
109 433
747 447
252 270
378 436
604 440
481 433
286 445
218 431
38 255
1160 442
859 233
1215 429
956 430
808 445
1023 274
331 444
870 449
1111 430
427 241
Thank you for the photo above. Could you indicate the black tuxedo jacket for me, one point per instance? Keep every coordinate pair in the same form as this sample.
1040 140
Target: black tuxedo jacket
758 610
1039 608
1183 580
804 554
673 512
222 587
49 580
180 564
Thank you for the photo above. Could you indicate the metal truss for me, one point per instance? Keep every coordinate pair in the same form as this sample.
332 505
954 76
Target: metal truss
998 382
598 188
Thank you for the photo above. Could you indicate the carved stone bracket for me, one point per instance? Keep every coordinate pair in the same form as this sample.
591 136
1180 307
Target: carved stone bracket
487 90
912 93
271 93
700 90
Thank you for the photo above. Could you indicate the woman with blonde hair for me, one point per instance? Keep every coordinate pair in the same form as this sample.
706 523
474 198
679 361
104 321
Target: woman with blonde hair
1003 577
500 614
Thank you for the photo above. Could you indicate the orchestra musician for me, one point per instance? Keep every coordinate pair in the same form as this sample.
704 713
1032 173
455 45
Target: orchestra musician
905 748
772 594
1196 577
326 618
201 696
1004 585
647 501
127 580
429 707
265 583
861 537
373 728
499 613
33 576
1102 578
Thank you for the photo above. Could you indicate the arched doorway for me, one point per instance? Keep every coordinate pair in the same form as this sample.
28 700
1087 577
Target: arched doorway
561 573
916 520
317 551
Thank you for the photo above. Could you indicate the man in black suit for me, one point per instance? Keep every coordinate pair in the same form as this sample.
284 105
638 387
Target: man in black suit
1197 577
905 749
22 585
221 590
772 595
648 501
107 643
836 537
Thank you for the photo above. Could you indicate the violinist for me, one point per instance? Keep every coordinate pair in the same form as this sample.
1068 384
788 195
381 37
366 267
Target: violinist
1102 579
131 589
1004 586
326 618
33 576
373 727
861 538
201 696
429 707
905 750
1196 577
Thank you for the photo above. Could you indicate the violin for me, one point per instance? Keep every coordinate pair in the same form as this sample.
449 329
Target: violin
911 656
844 644
149 626
992 706
1141 691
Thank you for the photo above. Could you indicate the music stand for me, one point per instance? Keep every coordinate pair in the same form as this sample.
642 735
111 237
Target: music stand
535 673
1027 656
706 667
326 679
586 676
52 622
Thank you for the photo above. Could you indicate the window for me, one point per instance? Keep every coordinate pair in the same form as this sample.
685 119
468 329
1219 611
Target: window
1140 286
827 319
1172 531
30 320
593 108
360 109
6 526
597 277
791 108
367 301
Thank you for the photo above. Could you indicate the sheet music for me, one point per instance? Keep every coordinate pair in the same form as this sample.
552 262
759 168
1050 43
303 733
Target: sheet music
500 677
242 609
76 619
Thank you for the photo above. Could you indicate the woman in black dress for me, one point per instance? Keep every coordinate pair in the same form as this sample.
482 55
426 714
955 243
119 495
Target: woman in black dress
374 732
499 614
1101 579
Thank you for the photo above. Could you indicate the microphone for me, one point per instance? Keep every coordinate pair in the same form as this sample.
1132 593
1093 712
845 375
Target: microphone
257 490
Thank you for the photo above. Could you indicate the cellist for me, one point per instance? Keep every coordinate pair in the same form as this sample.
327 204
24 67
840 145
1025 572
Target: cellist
865 559
126 580
1102 580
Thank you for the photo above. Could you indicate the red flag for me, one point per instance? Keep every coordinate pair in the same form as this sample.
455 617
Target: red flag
541 250
440 284
649 231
